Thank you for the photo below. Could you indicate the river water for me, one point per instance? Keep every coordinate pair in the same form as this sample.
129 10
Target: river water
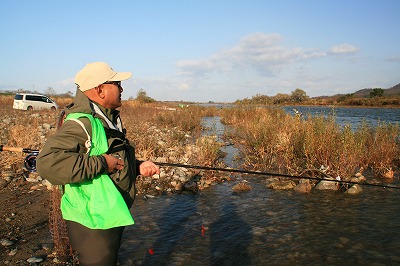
263 226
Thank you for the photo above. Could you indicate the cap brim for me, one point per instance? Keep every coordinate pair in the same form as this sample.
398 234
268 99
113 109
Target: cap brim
121 76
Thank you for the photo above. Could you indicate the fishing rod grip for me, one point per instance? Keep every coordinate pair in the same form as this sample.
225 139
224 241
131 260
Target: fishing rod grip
2 148
14 149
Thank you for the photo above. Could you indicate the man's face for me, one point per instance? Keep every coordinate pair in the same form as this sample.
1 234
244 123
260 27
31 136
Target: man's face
112 91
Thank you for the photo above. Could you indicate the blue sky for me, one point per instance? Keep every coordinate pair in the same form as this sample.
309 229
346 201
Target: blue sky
219 50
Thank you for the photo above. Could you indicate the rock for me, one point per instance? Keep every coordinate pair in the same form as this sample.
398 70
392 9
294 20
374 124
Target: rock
13 252
190 186
35 188
178 187
47 184
163 174
3 182
282 185
161 160
358 179
31 180
304 186
6 242
48 246
46 126
389 174
35 259
242 186
161 143
327 185
355 189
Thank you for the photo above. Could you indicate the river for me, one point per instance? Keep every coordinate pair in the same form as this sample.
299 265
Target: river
263 226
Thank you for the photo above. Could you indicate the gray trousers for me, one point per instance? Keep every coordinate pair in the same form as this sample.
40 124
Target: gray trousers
95 247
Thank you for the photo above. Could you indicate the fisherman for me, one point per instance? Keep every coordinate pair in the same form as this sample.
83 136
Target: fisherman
91 157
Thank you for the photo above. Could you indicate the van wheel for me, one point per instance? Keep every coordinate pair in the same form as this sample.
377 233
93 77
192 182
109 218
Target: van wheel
53 108
30 108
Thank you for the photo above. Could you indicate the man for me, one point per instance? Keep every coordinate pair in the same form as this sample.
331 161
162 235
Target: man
94 161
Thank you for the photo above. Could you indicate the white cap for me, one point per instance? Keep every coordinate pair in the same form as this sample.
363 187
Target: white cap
94 74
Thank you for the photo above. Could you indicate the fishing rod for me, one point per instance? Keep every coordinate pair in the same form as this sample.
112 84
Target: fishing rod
232 170
30 159
30 164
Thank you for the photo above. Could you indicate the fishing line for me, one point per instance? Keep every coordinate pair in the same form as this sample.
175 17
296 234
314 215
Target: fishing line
231 170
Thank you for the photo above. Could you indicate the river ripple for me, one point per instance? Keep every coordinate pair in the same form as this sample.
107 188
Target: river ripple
264 227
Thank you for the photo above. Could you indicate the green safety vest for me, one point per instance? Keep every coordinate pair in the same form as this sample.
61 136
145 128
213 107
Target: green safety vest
95 203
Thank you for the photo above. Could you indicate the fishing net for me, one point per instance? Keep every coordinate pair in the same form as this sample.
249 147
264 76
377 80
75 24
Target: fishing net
58 228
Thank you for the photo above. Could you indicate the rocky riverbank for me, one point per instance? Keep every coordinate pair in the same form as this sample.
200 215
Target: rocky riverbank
25 237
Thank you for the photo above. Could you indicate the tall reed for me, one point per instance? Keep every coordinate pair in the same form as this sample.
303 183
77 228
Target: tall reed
273 140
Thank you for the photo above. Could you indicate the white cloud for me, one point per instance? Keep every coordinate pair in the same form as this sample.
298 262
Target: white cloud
258 63
195 67
343 49
262 52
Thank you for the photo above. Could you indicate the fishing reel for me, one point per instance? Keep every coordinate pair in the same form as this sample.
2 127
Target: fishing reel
30 161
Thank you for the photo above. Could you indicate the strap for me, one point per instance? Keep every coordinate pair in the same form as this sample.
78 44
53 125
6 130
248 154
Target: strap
88 142
114 133
110 124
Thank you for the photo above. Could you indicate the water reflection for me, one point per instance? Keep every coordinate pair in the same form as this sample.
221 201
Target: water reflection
173 228
230 238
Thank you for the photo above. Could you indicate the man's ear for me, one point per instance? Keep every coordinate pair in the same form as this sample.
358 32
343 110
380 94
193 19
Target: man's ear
100 92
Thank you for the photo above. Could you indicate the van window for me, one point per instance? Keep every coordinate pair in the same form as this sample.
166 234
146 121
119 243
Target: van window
18 97
37 98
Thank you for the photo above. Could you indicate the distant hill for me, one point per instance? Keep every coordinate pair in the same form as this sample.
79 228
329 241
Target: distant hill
395 90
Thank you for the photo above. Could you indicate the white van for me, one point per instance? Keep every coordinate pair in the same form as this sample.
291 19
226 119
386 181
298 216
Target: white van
30 101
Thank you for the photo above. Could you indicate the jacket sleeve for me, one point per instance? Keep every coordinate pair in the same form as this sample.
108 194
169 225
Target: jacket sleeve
63 159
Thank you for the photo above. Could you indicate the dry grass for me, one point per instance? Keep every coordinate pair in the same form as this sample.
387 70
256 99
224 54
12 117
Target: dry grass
279 142
272 139
167 131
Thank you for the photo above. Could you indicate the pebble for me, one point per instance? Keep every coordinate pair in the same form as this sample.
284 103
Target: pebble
6 242
13 252
3 182
35 259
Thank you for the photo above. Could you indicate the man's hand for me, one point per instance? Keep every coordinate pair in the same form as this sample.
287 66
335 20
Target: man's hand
114 164
148 168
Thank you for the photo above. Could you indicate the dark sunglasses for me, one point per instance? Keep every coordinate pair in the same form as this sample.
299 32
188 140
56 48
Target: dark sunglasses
116 83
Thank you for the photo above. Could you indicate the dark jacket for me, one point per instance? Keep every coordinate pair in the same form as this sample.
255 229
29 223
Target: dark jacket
63 158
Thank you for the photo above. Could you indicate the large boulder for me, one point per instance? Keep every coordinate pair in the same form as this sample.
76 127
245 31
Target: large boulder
355 189
304 186
327 185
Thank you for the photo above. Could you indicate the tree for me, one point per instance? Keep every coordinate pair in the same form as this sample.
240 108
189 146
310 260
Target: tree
377 92
280 98
142 97
298 95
